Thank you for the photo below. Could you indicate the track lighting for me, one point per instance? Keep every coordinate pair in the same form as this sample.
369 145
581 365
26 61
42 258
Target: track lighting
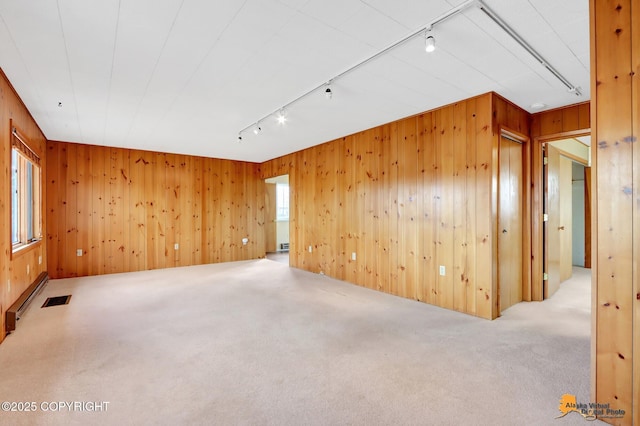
282 118
328 93
429 46
430 43
239 138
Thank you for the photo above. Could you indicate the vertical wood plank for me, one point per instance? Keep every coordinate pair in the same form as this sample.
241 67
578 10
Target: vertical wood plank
460 197
137 228
394 228
613 149
385 210
83 217
447 191
484 219
408 202
635 134
429 215
53 186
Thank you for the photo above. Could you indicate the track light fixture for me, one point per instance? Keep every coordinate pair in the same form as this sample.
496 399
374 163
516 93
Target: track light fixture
327 92
239 137
430 43
282 118
430 46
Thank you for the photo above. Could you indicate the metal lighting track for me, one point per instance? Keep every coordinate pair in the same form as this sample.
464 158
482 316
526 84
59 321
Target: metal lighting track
526 46
422 30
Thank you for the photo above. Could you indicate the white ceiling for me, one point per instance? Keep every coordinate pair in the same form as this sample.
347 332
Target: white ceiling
185 76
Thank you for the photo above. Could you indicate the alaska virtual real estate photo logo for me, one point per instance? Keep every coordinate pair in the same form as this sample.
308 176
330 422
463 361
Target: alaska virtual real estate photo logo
590 411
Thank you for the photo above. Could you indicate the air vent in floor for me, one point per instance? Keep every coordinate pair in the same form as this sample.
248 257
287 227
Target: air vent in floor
56 301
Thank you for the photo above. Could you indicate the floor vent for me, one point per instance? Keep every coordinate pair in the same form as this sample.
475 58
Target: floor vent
56 301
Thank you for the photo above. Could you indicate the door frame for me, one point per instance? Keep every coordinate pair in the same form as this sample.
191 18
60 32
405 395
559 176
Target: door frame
525 141
537 207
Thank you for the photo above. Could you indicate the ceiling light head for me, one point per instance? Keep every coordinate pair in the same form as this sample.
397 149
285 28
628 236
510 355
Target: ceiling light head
538 106
239 138
282 117
430 43
59 104
328 92
576 91
257 129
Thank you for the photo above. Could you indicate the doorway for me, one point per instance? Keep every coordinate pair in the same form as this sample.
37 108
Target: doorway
567 228
277 218
510 221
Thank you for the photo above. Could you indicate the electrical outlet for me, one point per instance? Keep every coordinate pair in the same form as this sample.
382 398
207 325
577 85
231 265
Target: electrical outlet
39 260
79 252
176 246
245 241
310 249
353 256
442 271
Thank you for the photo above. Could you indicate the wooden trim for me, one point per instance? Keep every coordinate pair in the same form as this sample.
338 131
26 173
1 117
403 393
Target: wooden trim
526 207
23 144
537 203
552 137
15 93
25 248
587 217
562 108
571 156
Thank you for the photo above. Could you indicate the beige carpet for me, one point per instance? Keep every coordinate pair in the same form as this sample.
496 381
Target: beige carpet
258 343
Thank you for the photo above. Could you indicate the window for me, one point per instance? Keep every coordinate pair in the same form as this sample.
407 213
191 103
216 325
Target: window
282 201
26 199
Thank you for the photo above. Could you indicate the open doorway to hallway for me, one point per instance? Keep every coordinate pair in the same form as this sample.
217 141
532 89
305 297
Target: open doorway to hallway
277 218
567 210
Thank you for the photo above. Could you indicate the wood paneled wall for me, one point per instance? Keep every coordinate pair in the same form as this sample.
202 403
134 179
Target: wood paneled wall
555 124
559 121
126 209
405 197
14 278
615 89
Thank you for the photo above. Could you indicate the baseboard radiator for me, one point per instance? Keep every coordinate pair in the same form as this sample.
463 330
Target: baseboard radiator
18 308
284 246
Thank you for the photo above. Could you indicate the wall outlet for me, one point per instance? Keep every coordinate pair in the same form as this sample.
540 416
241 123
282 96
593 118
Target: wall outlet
176 246
353 256
39 260
442 271
245 241
79 252
310 249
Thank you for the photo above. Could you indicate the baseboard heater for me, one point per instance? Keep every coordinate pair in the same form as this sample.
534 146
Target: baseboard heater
284 246
18 308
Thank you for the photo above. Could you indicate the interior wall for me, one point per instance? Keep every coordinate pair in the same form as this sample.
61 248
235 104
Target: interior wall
615 91
14 278
406 197
282 232
125 210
